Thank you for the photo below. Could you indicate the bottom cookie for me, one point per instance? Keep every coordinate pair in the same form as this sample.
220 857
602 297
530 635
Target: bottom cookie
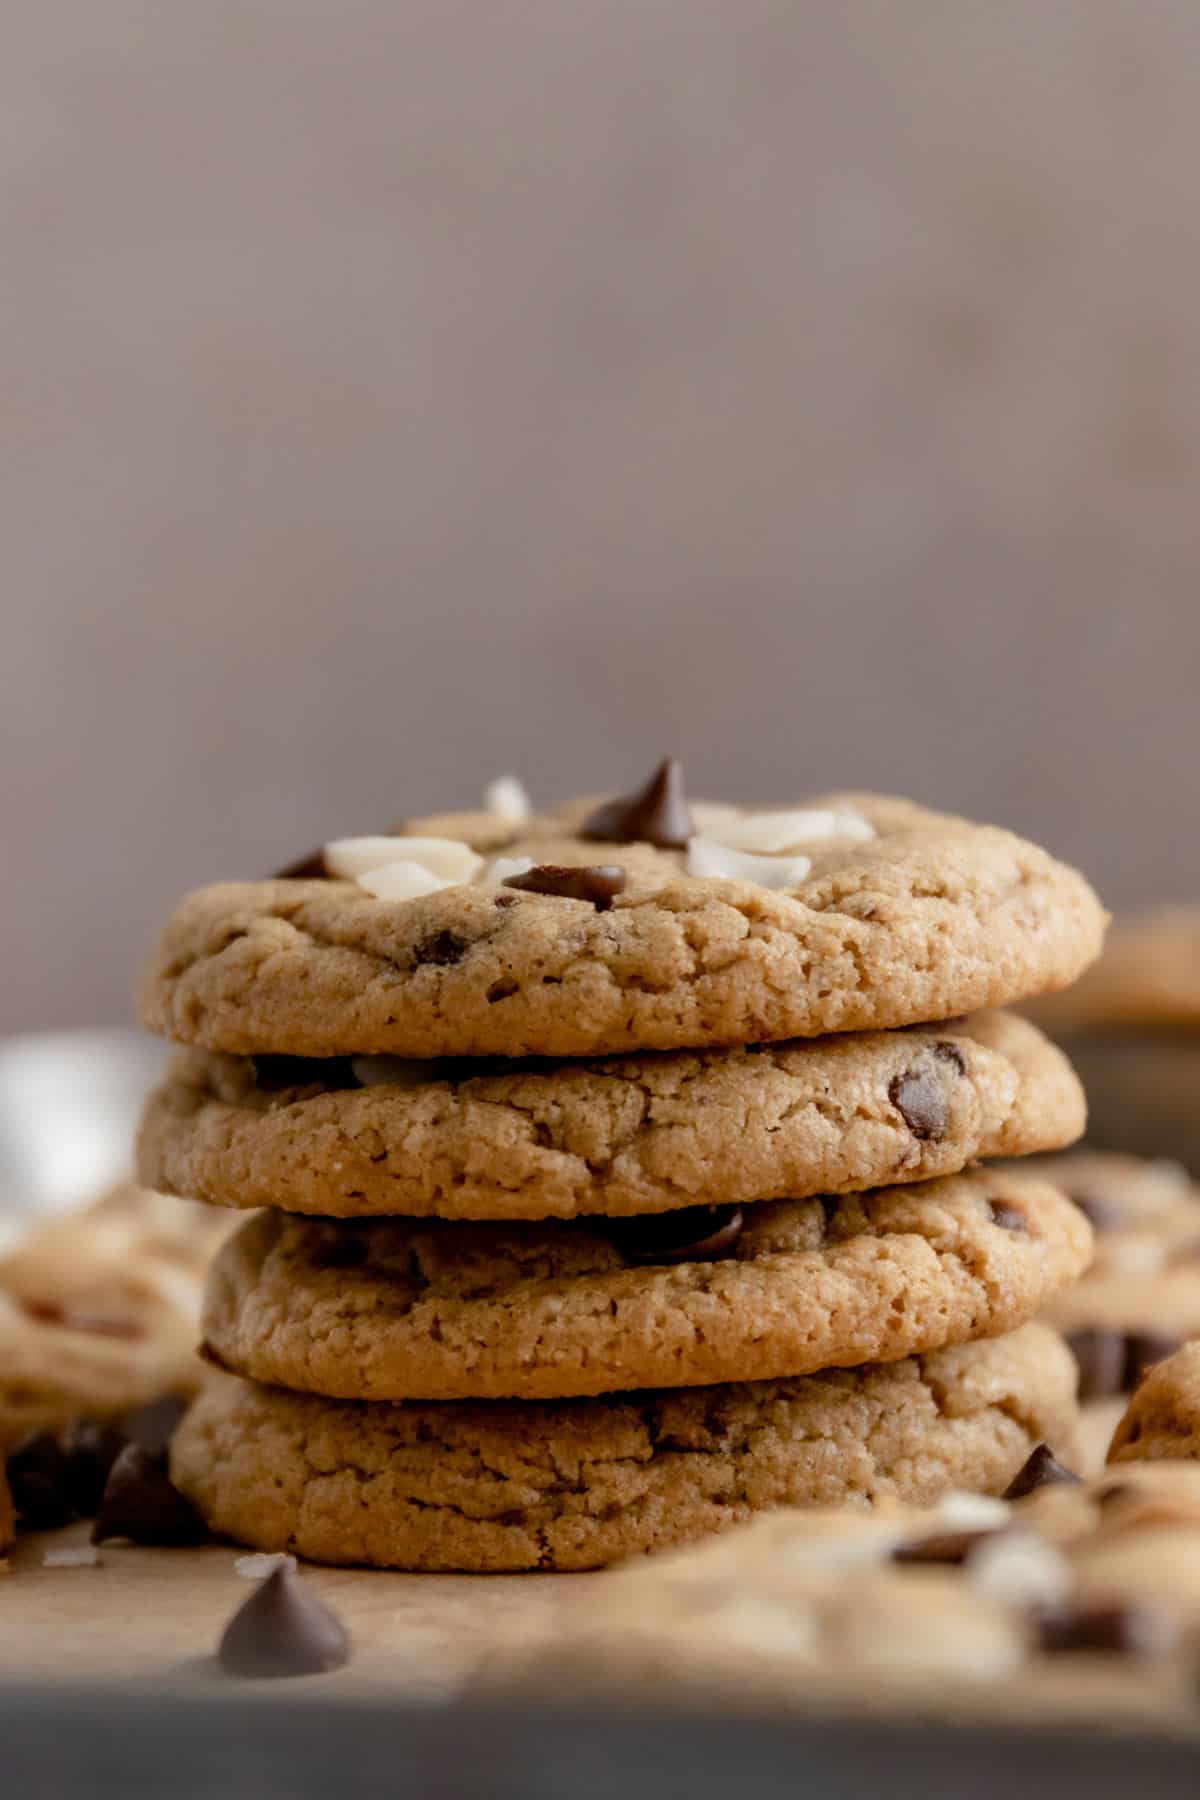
578 1483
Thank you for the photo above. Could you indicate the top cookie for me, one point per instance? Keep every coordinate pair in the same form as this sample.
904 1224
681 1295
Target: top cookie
759 931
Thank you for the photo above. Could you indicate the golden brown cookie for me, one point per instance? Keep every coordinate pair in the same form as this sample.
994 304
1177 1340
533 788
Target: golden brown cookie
925 917
1147 978
572 1485
395 1310
1163 1418
375 1135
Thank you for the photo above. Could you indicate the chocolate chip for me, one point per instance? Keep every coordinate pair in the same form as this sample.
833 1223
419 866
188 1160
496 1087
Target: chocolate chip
1101 1213
443 949
305 868
282 1629
91 1449
139 1503
1134 1630
39 1480
656 814
696 1234
153 1425
950 1548
1101 1356
919 1100
1009 1218
1040 1469
275 1073
1145 1348
502 902
598 882
952 1054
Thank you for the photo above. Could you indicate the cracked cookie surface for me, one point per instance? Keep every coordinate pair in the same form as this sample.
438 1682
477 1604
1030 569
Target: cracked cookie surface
402 1309
576 1484
620 1137
930 918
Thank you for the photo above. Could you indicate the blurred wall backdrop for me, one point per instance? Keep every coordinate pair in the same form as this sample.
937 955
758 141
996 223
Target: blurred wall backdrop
399 391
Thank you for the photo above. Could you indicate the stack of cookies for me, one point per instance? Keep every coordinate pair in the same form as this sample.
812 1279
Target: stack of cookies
610 1182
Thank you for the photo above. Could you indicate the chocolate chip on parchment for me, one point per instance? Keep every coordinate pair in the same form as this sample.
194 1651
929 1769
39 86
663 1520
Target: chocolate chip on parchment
140 1504
918 1098
655 814
1132 1630
597 882
283 1629
949 1548
695 1234
305 868
1040 1469
1101 1356
1009 1218
39 1480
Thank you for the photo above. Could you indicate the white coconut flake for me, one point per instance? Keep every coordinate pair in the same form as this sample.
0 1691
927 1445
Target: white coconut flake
401 881
1020 1569
262 1564
971 1512
81 1556
771 832
710 817
708 859
507 798
444 860
504 866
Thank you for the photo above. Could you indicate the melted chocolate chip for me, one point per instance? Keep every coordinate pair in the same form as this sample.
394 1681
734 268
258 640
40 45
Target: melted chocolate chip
1101 1213
696 1234
598 882
39 1480
139 1503
918 1098
91 1449
656 814
1009 1218
305 868
950 1548
1040 1469
951 1053
1134 1630
1145 1348
275 1073
153 1425
283 1629
443 949
1101 1357
502 902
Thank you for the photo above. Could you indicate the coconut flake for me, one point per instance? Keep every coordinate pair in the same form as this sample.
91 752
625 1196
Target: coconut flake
507 798
1020 1569
771 832
711 860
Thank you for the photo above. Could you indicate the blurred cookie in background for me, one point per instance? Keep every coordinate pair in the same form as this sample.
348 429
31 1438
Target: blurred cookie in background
1140 1300
1131 1026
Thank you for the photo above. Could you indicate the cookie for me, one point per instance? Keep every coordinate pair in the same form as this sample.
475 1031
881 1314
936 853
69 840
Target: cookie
573 1485
99 1310
894 916
1140 1298
397 1310
638 1135
1147 979
1079 1600
1163 1418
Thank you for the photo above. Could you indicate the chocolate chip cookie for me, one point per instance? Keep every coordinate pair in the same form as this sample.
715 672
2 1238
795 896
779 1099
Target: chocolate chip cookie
396 1309
575 1484
351 1137
1163 1418
850 913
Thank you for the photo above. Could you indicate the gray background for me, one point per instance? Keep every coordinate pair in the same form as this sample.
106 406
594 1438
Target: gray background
397 391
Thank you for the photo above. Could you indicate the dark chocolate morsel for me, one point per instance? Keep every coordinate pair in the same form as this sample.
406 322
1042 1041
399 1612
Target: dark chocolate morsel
305 868
140 1504
1009 1218
695 1234
39 1480
1040 1469
656 814
918 1098
1133 1630
1101 1356
951 1053
91 1449
597 882
283 1629
153 1425
1145 1348
950 1548
275 1073
443 949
